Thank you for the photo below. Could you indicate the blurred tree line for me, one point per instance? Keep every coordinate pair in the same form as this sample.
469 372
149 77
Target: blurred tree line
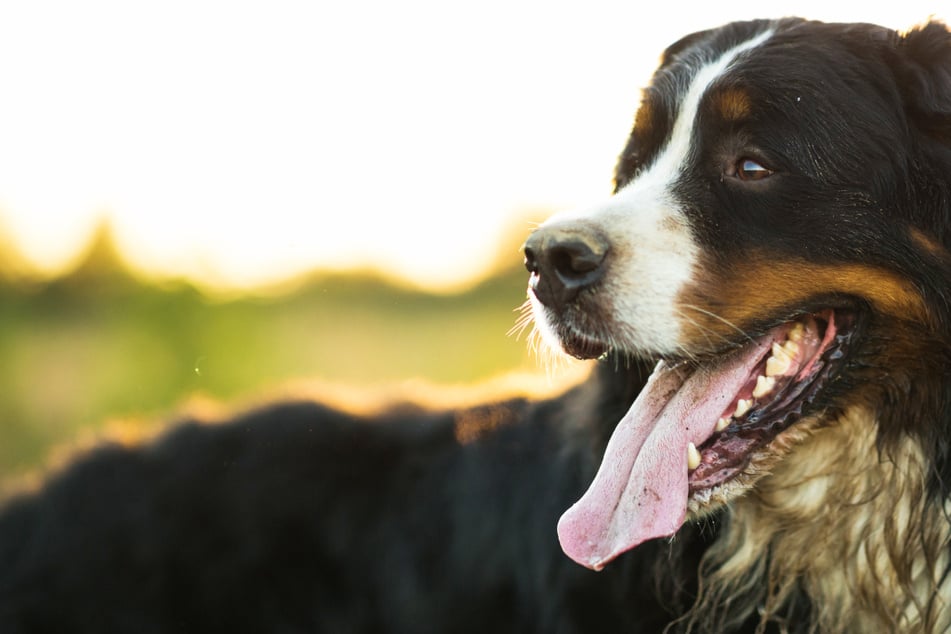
98 343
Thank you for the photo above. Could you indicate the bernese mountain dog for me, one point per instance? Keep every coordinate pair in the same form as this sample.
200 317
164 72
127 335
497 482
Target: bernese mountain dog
763 445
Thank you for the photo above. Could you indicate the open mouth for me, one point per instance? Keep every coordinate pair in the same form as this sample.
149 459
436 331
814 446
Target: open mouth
802 357
695 427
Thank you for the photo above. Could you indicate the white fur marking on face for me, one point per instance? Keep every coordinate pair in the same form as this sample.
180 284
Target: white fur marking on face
655 253
669 163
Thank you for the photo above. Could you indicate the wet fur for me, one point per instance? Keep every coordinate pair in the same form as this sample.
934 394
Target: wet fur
855 529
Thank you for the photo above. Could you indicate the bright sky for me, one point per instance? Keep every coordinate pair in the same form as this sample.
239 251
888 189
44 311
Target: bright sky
240 142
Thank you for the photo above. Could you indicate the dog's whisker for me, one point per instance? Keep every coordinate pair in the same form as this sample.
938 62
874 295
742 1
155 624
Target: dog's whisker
688 354
523 321
723 320
705 331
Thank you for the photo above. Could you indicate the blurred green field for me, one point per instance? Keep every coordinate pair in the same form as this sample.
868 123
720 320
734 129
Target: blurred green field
98 344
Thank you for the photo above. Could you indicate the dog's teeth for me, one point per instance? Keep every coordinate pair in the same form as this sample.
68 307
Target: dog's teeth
796 332
779 351
764 385
776 366
779 362
791 348
693 456
742 406
722 424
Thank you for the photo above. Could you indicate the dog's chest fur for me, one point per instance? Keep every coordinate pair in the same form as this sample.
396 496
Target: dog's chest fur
842 524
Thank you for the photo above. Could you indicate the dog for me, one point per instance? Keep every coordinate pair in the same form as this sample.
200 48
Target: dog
763 445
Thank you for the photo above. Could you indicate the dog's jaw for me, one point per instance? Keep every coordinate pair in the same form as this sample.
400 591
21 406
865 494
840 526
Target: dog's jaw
695 429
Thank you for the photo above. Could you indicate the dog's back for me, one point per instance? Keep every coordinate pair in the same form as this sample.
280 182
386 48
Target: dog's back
298 518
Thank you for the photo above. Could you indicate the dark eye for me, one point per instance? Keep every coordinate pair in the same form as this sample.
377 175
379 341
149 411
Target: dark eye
750 170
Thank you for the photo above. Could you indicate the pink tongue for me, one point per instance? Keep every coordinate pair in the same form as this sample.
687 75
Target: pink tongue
640 491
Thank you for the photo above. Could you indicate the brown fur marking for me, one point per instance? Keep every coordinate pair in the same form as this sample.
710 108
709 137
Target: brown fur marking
720 304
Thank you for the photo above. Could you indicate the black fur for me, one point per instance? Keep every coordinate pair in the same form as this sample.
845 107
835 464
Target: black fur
298 518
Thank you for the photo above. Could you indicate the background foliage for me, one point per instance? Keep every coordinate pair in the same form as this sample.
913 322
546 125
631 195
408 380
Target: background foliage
99 344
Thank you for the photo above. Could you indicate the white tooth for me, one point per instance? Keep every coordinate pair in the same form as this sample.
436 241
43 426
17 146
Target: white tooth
722 424
693 456
796 332
742 406
779 351
791 348
777 364
764 385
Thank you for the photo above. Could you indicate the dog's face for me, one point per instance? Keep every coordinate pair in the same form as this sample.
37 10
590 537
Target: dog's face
778 238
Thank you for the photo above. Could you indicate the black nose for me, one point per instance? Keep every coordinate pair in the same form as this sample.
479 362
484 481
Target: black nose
563 262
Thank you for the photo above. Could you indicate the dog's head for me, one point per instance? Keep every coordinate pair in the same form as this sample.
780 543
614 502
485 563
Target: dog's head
778 238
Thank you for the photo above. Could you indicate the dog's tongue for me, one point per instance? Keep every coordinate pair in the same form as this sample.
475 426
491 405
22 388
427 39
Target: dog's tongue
640 490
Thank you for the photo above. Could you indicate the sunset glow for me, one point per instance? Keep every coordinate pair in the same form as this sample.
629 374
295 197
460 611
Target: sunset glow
239 143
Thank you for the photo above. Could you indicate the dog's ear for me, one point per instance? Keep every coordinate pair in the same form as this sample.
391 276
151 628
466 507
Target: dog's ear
924 76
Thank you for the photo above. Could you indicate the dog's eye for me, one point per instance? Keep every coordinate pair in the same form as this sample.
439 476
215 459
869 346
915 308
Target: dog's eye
750 170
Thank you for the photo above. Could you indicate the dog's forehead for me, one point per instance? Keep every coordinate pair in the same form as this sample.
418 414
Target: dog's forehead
800 80
690 70
687 58
792 42
794 54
